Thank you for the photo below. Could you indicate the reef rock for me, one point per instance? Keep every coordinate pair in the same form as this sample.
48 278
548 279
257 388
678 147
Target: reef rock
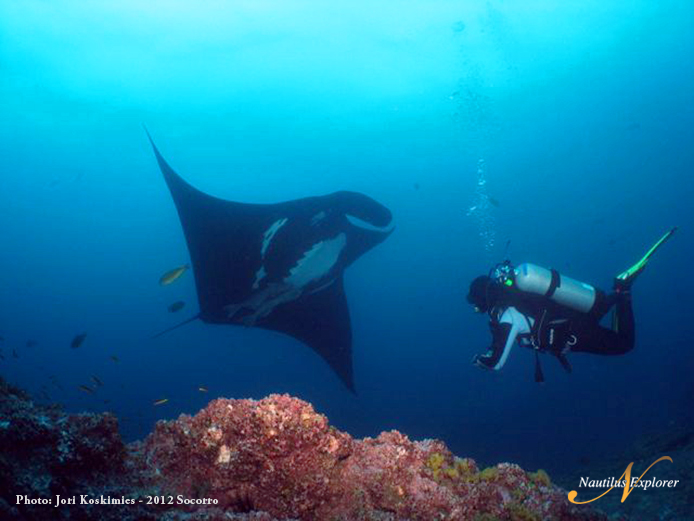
272 459
45 453
279 456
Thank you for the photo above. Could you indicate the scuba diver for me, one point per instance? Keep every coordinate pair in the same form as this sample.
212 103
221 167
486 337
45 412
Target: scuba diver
551 313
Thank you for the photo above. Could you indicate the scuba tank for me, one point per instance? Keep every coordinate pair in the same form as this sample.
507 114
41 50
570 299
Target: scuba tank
550 284
563 290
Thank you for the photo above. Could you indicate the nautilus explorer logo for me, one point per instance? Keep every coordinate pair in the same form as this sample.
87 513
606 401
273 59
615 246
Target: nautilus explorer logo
624 481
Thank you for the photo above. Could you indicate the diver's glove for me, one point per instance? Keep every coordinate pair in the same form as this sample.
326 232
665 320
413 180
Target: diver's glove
482 362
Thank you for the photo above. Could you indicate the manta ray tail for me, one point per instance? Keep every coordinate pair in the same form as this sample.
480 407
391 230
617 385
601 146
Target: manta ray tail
187 321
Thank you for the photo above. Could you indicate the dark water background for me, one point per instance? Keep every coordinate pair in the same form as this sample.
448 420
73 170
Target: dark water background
574 117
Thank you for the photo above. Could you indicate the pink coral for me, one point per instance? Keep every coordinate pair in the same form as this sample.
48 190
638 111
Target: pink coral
260 460
279 456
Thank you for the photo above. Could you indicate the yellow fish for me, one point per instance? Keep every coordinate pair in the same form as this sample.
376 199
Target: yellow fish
161 402
173 275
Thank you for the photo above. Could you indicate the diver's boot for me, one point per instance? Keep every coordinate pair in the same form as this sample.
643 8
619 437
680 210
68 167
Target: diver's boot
623 281
622 284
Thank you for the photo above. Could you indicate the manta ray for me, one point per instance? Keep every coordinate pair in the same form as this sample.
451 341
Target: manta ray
278 266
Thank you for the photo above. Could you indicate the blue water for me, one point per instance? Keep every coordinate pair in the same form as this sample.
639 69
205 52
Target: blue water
574 117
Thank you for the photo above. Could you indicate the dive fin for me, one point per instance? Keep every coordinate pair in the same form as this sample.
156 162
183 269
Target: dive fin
628 276
187 321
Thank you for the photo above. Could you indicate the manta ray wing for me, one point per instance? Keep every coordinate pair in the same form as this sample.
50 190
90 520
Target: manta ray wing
221 254
321 321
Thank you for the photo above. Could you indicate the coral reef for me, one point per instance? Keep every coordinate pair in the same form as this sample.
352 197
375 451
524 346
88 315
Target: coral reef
45 453
274 458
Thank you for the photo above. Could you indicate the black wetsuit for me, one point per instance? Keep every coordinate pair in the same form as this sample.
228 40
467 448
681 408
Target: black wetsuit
598 340
540 324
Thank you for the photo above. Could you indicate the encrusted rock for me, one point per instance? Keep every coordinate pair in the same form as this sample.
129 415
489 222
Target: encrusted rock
275 458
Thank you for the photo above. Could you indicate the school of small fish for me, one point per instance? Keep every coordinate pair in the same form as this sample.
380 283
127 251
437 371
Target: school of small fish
78 340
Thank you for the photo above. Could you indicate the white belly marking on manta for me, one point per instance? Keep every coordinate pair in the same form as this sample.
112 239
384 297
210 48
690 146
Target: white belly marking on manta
270 233
317 218
317 262
313 266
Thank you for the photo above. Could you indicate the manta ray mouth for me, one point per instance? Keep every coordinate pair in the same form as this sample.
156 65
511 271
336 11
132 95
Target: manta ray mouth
360 223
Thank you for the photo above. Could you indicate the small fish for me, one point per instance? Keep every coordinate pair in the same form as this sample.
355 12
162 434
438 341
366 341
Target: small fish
114 358
202 389
173 275
96 380
86 389
2 357
160 402
14 353
493 201
78 340
31 343
176 306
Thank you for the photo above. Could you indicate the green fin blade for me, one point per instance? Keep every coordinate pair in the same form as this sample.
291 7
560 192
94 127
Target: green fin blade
631 273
